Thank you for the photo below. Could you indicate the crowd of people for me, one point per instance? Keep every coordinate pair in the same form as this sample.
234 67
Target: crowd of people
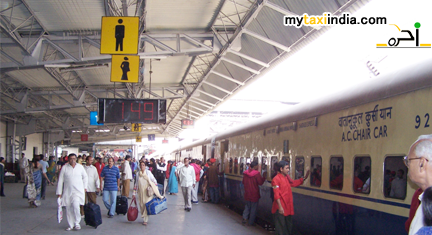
81 179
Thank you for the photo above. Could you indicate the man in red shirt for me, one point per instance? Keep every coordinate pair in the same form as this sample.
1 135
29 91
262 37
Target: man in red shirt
99 166
283 207
251 181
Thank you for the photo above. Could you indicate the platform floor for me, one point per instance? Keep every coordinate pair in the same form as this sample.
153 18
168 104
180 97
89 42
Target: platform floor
17 217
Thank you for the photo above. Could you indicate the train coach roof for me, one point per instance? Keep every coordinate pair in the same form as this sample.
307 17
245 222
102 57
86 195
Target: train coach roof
399 82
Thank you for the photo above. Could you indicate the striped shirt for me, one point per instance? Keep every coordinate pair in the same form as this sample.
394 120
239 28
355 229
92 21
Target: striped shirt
111 175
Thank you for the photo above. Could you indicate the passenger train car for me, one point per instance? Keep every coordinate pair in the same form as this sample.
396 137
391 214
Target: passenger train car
353 142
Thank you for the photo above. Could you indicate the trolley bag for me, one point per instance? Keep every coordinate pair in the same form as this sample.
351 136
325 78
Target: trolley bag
92 214
156 206
121 205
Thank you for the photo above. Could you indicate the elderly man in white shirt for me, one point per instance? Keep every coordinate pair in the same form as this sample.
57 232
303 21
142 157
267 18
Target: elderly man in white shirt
419 163
126 176
71 188
186 176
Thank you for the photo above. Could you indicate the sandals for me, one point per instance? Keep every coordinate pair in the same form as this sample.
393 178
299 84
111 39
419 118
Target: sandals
144 223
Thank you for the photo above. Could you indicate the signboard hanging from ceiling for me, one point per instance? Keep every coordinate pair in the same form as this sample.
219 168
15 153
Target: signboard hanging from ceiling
151 137
136 127
93 119
124 68
187 124
131 111
119 35
138 139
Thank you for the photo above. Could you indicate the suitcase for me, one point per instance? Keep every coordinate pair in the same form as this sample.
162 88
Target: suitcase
92 215
156 206
25 194
121 205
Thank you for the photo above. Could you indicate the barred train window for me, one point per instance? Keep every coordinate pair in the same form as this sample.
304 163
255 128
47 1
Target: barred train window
264 166
336 172
395 177
299 167
316 164
230 165
273 169
362 175
236 166
242 165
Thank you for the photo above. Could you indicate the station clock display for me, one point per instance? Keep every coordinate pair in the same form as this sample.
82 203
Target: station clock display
131 111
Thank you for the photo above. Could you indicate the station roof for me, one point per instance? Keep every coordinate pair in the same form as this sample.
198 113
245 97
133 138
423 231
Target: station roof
194 55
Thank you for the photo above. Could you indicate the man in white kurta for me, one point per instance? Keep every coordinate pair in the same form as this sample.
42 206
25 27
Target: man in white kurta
71 188
187 181
126 176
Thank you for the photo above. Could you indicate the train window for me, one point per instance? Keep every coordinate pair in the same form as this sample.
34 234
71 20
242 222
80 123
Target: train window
362 175
316 164
286 158
273 168
264 166
236 165
230 165
299 167
395 177
336 172
242 165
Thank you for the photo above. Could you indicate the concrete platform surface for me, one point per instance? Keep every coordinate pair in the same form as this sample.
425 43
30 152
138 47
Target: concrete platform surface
17 217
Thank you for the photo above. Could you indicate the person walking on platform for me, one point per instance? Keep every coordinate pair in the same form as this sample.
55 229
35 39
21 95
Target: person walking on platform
99 167
252 179
145 179
51 171
23 163
172 182
160 173
213 181
187 181
198 174
45 166
34 176
419 164
2 176
93 184
71 188
126 176
111 177
283 208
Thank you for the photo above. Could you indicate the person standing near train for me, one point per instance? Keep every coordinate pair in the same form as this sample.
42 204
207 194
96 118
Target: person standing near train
419 164
283 208
252 179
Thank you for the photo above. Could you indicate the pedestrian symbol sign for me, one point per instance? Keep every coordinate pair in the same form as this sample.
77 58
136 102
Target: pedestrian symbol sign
136 127
138 139
124 68
119 35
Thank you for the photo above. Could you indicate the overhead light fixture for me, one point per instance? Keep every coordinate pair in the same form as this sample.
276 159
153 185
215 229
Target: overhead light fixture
83 67
57 65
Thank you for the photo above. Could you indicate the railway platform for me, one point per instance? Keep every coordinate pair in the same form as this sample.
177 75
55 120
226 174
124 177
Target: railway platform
17 217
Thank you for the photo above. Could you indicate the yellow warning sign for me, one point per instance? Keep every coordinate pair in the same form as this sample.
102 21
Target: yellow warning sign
136 127
124 68
119 35
138 139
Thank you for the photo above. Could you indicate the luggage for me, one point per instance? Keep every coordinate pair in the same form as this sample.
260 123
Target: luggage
92 214
121 205
25 195
156 206
132 213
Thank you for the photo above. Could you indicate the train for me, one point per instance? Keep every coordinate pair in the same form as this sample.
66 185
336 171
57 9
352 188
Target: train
353 142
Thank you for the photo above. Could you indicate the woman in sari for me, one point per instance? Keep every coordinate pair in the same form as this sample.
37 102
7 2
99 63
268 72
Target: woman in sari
51 171
144 179
34 182
172 182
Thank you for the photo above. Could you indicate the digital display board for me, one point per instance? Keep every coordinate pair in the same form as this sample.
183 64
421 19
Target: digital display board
187 124
131 111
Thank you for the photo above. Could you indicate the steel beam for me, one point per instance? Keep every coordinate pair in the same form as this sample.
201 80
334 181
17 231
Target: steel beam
217 87
266 40
227 78
256 61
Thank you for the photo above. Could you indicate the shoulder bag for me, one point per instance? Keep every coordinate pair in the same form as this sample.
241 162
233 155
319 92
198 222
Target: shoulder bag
132 213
